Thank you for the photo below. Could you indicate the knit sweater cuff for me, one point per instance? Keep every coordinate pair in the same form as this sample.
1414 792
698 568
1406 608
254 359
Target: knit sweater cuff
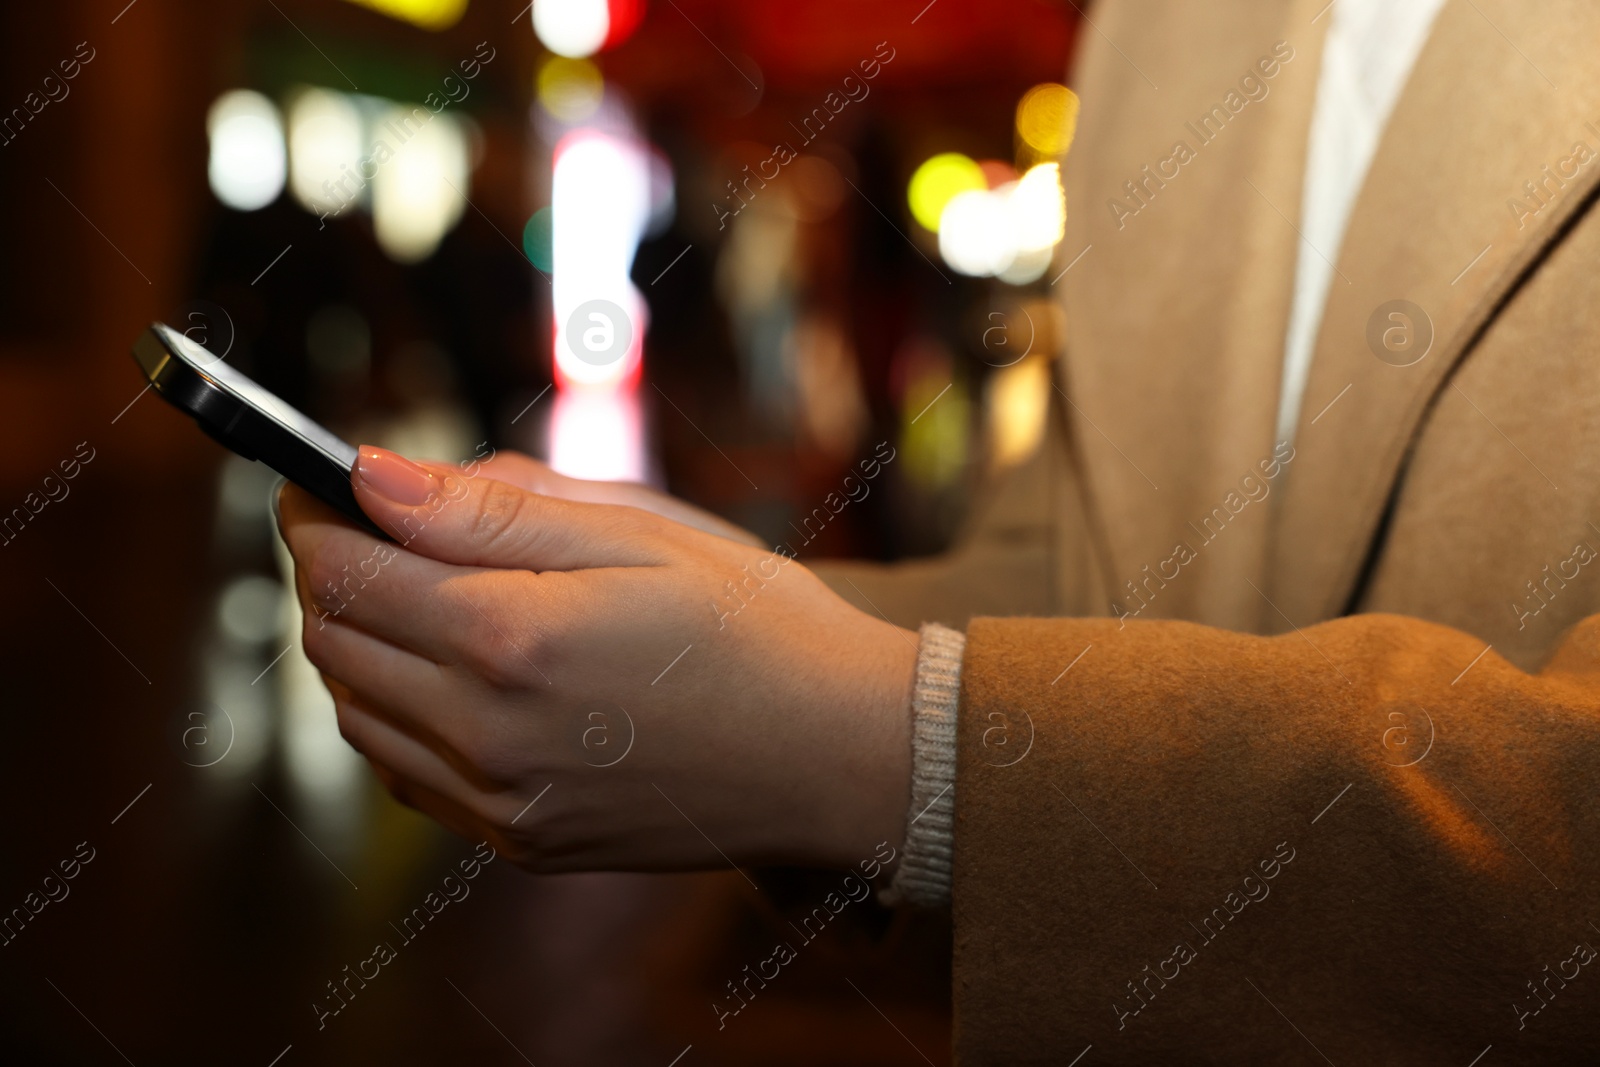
923 877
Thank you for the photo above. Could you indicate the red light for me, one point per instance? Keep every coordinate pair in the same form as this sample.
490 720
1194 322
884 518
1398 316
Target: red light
625 18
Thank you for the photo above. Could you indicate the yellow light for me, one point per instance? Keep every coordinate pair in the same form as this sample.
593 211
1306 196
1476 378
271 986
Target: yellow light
418 195
1047 117
937 182
429 14
325 147
570 89
1018 401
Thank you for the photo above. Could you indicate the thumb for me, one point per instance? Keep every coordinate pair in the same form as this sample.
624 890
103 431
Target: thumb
437 510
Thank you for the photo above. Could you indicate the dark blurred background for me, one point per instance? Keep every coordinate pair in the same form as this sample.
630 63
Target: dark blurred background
827 224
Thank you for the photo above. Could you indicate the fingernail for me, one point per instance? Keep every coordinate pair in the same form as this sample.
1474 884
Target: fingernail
393 476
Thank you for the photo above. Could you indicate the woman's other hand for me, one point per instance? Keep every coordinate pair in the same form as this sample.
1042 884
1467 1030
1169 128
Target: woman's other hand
593 686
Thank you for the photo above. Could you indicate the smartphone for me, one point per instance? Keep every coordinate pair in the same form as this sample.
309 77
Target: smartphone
249 420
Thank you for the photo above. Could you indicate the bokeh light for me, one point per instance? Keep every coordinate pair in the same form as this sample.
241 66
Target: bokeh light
572 28
536 239
1007 232
324 150
570 90
938 181
1017 403
420 193
428 14
597 434
248 160
975 233
937 423
1047 118
625 16
997 172
600 202
1039 207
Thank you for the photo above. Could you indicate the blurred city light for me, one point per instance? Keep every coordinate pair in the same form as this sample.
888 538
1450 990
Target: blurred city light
625 16
1007 232
1017 403
247 159
936 415
325 140
405 163
572 28
1047 117
938 181
420 193
597 434
569 89
579 28
997 172
428 14
1038 209
247 610
600 205
975 233
536 238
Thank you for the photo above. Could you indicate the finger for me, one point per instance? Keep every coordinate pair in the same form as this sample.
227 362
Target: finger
419 778
482 522
448 614
408 686
528 473
447 712
525 472
312 531
405 763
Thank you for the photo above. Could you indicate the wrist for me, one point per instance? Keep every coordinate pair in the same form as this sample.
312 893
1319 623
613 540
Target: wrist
867 798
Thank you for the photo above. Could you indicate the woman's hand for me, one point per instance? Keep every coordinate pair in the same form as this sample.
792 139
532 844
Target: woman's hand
525 472
593 686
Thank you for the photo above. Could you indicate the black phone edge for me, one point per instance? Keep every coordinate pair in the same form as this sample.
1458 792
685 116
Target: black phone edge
239 427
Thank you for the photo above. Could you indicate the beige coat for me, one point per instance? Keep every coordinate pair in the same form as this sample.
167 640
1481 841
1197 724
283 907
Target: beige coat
1345 810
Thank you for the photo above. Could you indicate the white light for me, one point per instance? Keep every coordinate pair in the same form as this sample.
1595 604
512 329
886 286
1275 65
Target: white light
1028 265
600 205
247 162
1007 232
419 193
325 151
248 609
572 28
596 435
1038 208
975 235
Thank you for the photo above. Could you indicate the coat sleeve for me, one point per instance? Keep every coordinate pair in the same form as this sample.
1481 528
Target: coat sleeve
1371 841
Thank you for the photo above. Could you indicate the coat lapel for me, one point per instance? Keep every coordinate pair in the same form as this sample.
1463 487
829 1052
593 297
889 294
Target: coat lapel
1447 222
1177 308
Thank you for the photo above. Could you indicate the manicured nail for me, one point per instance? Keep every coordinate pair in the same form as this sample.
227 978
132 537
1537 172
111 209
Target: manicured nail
393 476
